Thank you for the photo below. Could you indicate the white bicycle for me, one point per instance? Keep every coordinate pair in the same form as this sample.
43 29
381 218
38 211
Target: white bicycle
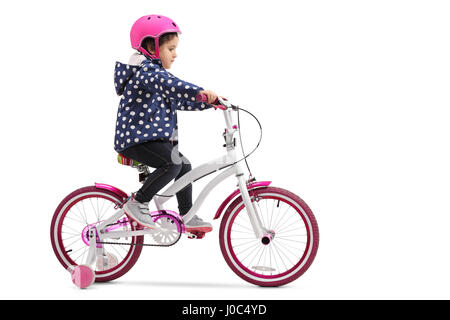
268 235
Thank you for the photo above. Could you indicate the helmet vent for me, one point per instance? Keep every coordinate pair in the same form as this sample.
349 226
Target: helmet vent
174 24
149 18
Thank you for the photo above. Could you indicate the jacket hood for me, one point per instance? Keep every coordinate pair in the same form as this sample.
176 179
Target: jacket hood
122 74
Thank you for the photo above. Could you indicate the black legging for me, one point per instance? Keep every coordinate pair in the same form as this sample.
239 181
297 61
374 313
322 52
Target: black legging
169 164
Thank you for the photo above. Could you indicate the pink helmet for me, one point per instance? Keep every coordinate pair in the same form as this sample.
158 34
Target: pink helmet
151 26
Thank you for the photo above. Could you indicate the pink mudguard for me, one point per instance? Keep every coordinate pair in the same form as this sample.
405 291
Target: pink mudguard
250 186
111 188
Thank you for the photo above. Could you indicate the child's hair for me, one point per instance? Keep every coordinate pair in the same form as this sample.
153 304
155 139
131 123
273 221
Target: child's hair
149 42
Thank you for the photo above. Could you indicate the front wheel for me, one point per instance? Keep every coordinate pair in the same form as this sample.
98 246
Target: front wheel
279 258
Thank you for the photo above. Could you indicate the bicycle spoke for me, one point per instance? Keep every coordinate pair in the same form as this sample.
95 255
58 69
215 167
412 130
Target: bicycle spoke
93 208
286 239
275 260
272 221
243 238
246 232
81 255
73 229
106 210
262 253
285 248
81 215
282 260
73 219
290 230
69 245
251 244
260 248
77 236
84 212
286 223
242 227
281 218
288 244
77 250
251 247
242 244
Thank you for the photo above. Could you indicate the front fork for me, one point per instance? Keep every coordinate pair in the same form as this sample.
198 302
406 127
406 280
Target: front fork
255 220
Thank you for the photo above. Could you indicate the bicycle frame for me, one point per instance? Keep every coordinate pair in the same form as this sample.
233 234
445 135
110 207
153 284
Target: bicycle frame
229 160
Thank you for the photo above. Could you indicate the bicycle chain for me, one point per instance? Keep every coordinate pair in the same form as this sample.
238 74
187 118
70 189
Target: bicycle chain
142 244
139 244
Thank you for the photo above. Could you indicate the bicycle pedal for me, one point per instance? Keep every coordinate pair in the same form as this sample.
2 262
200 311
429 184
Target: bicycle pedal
196 235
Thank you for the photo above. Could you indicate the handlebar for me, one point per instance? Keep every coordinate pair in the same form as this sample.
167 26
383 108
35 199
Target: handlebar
224 105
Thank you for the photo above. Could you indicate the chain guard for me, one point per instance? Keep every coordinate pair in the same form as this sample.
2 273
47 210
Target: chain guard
167 220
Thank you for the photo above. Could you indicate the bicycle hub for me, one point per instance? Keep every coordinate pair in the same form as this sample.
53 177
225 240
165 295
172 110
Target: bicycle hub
268 237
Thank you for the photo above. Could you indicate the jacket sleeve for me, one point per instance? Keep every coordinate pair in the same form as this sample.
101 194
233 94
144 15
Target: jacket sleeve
152 76
192 106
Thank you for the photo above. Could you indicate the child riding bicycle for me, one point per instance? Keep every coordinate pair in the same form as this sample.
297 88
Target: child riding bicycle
146 123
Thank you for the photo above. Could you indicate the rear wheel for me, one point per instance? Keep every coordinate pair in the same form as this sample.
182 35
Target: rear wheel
78 212
285 252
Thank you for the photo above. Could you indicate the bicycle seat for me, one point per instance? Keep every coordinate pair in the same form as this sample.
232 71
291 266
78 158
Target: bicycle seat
127 161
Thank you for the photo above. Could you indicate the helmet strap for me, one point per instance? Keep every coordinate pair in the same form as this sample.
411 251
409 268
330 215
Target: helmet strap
148 54
157 48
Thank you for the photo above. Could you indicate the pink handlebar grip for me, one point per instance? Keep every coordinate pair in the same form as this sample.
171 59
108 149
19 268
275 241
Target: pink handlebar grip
204 98
219 106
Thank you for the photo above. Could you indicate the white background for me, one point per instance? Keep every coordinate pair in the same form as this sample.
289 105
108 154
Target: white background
353 97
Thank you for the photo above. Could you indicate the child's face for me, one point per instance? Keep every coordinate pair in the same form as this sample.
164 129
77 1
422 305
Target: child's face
168 52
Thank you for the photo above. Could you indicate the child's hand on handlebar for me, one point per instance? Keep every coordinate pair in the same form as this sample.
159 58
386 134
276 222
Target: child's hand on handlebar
212 96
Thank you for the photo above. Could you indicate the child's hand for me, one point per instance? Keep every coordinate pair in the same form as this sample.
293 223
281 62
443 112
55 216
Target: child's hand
212 96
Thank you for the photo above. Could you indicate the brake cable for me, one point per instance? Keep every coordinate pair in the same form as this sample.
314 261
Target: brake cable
242 148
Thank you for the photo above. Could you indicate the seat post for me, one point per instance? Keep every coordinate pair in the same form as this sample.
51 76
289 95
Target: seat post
144 172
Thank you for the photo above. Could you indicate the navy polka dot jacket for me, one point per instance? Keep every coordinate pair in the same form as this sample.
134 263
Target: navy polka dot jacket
150 98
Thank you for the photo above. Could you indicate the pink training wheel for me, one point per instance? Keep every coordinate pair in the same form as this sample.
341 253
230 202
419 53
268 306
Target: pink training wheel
82 276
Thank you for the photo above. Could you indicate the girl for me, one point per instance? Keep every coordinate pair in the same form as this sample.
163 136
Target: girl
147 120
